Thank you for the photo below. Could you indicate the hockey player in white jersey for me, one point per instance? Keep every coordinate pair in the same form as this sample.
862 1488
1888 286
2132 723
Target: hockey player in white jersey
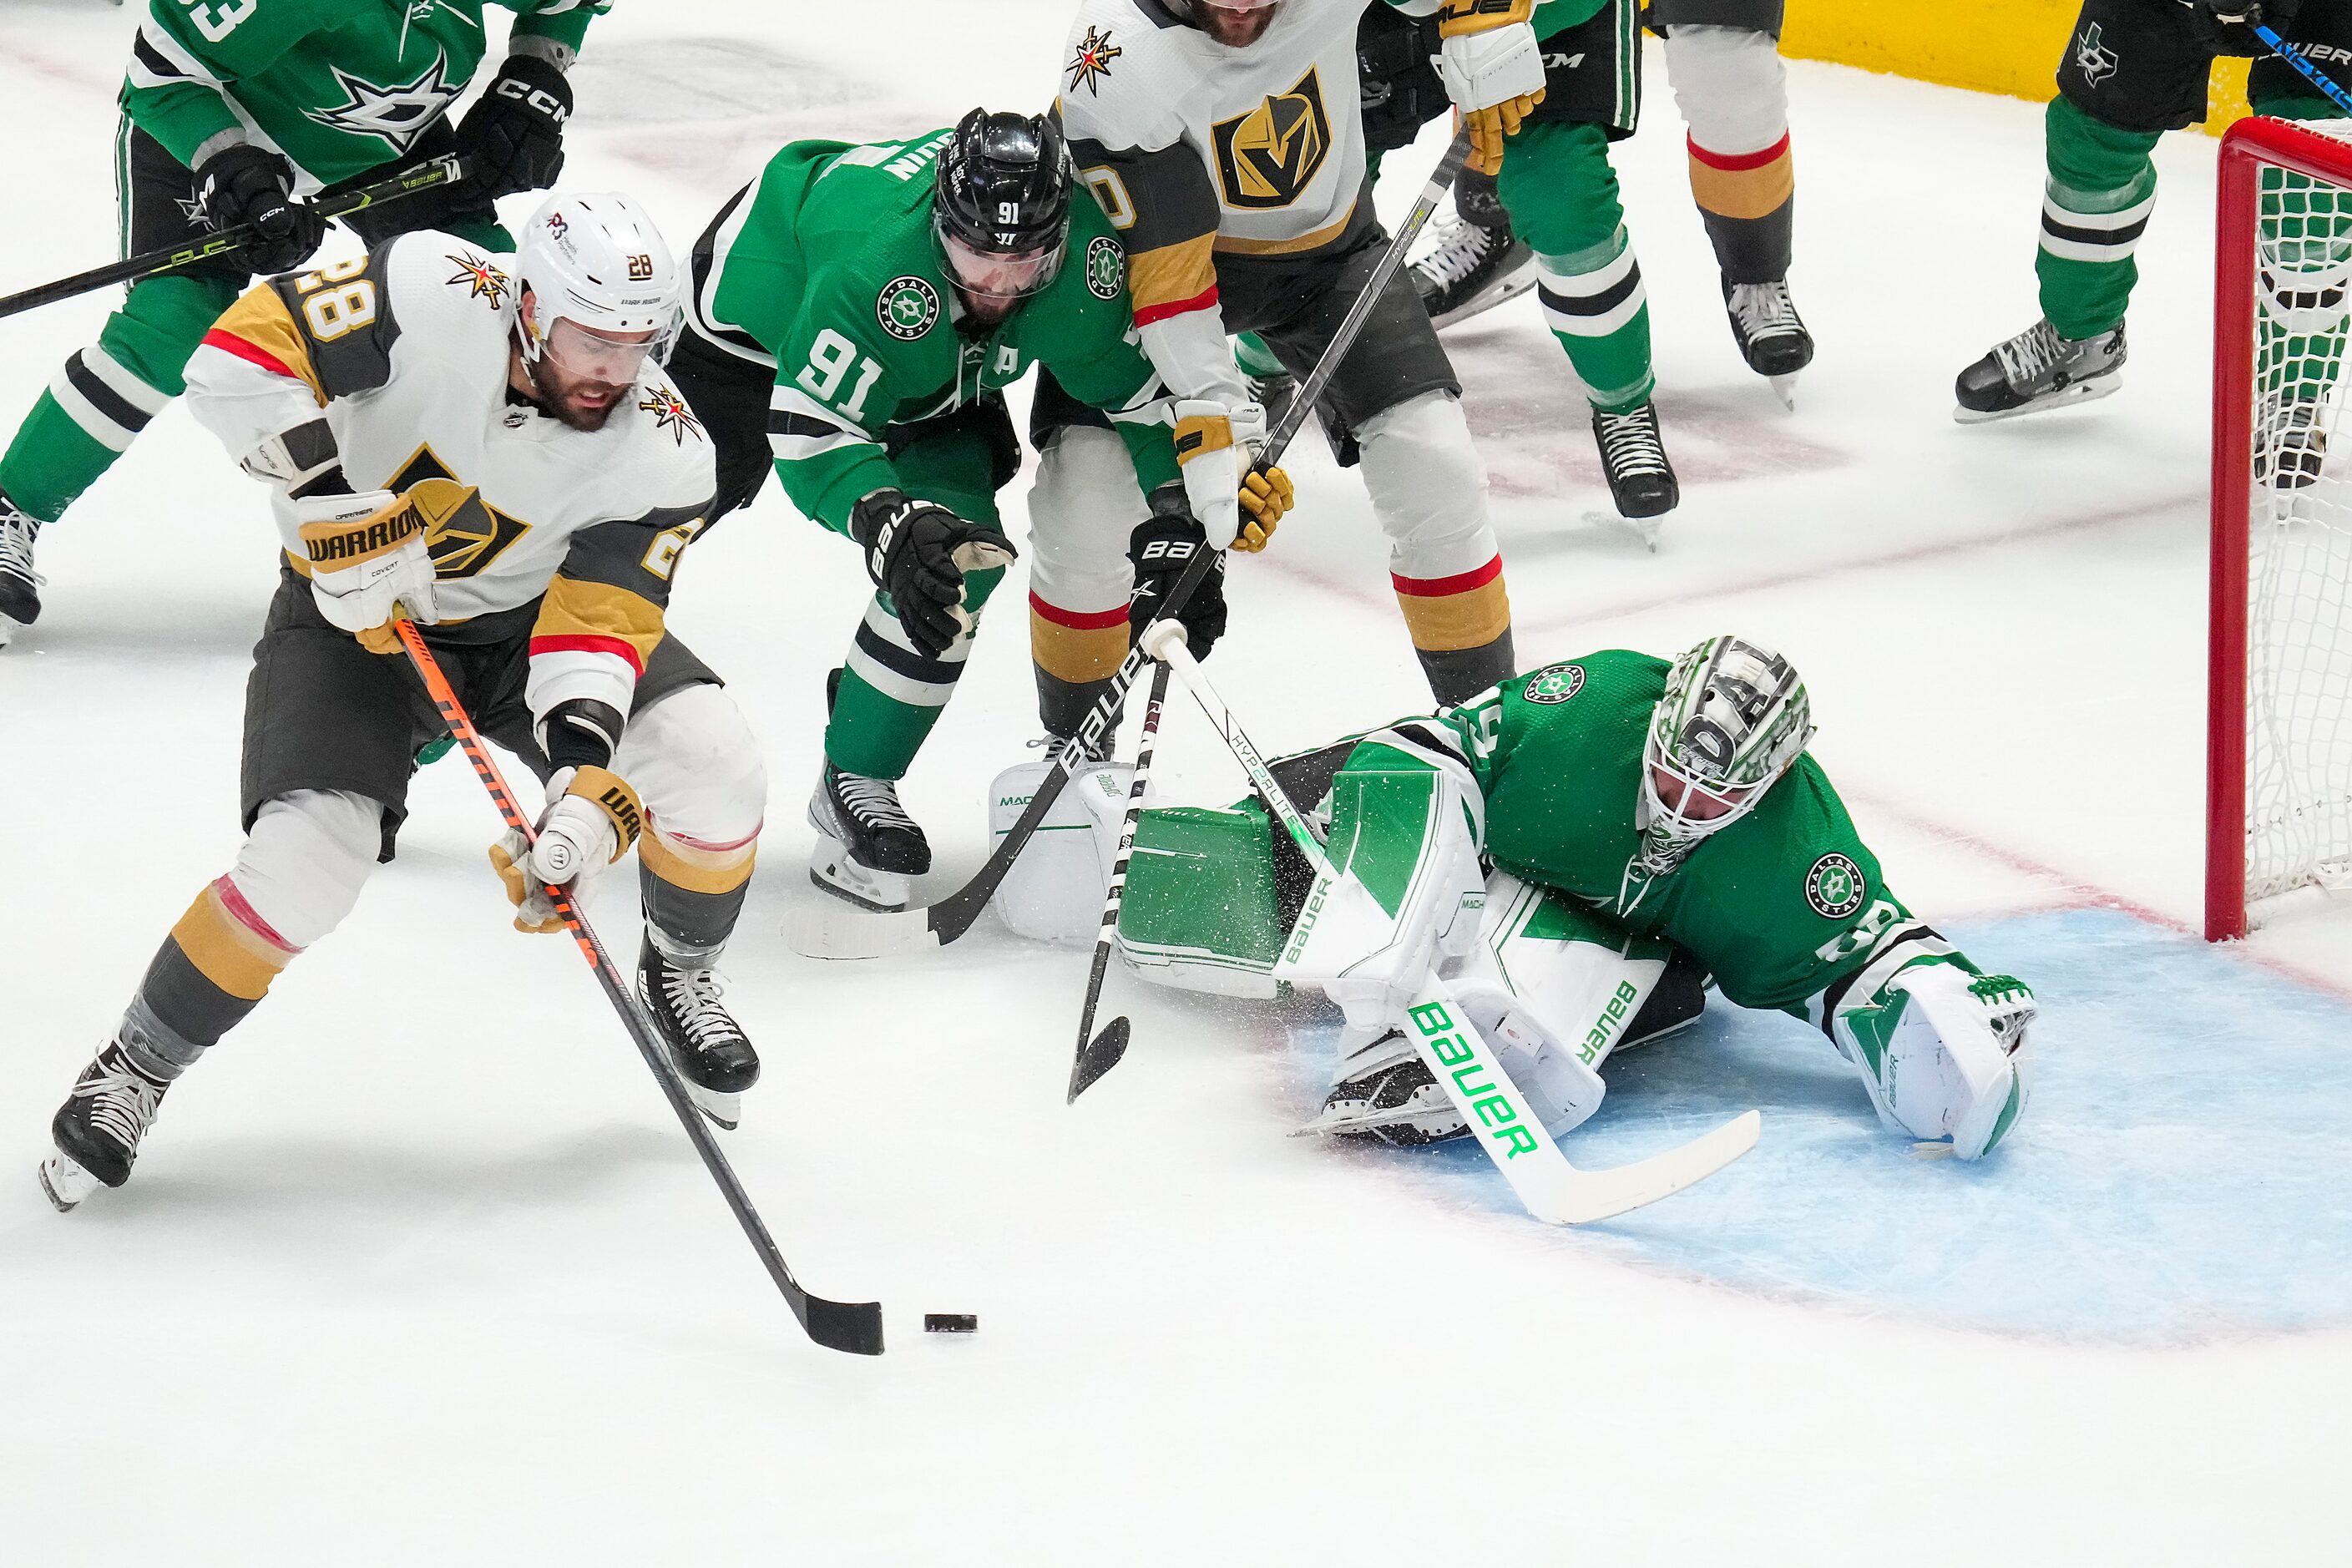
1225 141
494 455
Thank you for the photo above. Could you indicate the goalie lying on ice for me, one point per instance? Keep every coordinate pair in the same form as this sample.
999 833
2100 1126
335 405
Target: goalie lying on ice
1579 851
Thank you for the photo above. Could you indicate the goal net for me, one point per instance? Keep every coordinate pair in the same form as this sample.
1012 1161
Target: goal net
2279 750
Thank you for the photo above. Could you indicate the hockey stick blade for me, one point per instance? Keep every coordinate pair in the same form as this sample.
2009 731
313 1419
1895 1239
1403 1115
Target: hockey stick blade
1580 1197
852 1327
1102 1054
827 928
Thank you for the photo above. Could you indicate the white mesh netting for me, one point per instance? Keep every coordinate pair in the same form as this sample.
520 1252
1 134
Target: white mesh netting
2299 608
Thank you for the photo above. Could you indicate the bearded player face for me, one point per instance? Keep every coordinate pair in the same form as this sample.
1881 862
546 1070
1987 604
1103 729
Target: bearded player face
1237 24
581 373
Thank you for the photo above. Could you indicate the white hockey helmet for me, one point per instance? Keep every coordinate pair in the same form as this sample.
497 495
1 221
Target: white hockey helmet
597 264
1735 717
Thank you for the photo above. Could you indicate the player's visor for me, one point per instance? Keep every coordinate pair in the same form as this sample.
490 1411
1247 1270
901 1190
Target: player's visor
613 358
1695 802
988 275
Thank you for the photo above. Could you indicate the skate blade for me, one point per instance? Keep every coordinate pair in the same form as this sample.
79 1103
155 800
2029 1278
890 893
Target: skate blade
725 1110
1502 293
65 1183
1784 388
876 893
2089 391
1646 529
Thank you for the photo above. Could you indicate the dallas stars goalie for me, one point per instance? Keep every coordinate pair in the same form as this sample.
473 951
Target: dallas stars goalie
1578 851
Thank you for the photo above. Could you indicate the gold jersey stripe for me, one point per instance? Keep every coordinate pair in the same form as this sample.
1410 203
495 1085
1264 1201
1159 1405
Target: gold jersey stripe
1235 244
1457 621
697 870
261 318
574 608
1077 654
237 960
1173 274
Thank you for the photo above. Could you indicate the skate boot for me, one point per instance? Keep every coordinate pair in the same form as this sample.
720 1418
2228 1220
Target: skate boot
20 586
1772 336
1386 1094
1477 262
98 1128
1640 481
711 1051
869 850
2293 447
2038 369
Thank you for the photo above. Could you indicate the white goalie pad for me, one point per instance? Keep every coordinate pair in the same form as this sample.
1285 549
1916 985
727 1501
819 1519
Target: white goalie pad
1055 890
1554 988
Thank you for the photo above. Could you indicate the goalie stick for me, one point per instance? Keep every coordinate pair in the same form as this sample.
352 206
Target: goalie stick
1507 1127
443 171
836 929
852 1326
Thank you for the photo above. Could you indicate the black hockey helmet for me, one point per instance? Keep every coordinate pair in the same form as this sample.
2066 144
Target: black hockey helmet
1003 192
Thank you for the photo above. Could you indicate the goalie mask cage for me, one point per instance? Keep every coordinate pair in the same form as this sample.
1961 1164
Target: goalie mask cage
2279 745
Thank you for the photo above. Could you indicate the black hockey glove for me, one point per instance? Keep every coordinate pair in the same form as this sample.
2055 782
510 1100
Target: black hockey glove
243 184
918 553
513 136
1160 551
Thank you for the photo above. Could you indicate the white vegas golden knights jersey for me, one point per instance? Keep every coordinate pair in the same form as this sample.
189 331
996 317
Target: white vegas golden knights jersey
399 359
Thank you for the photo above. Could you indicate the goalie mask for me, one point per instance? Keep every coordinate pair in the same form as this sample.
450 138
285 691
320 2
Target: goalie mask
1734 719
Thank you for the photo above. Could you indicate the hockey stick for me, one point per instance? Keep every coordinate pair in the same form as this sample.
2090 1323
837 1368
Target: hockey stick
2302 62
835 930
443 171
1483 1095
1097 1053
852 1326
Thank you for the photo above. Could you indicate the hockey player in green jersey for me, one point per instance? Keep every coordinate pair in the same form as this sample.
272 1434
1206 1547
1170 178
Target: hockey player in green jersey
2134 69
1575 850
859 312
229 108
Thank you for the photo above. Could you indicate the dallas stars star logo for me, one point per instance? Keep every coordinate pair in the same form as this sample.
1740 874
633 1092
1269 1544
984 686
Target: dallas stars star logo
671 414
397 115
1092 63
484 281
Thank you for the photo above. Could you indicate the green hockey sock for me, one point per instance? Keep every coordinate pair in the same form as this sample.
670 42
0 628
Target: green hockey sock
1255 358
2101 189
890 693
1561 193
104 395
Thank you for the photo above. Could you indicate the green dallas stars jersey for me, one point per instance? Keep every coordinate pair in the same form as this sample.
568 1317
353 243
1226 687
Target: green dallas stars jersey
1781 906
826 270
339 86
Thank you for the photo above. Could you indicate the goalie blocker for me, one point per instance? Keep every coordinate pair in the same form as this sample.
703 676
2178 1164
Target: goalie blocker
1481 844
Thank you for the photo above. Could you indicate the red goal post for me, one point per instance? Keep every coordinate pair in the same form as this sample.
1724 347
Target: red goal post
2279 740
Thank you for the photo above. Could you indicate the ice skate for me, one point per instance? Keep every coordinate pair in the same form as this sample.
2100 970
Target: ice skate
712 1052
1771 335
1399 1103
2038 369
1475 267
869 850
2292 449
98 1128
20 586
1641 481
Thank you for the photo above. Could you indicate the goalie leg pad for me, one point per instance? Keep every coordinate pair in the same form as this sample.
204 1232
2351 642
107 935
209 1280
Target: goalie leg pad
1055 890
1940 1050
1204 909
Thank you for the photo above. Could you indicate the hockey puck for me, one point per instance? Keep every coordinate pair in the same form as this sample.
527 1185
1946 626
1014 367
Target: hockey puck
950 1322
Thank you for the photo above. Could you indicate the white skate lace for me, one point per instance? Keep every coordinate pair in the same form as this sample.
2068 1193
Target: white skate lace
874 802
1461 247
127 1100
1765 310
693 995
2024 357
16 535
1629 444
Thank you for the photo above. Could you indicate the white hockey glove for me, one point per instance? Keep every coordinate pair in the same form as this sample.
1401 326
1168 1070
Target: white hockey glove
1217 452
368 560
591 819
1941 1052
1492 69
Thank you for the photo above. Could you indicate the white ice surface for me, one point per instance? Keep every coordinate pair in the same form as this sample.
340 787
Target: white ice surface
416 1269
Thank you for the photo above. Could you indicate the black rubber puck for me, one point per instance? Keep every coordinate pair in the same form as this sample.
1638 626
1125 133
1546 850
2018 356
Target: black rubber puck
950 1322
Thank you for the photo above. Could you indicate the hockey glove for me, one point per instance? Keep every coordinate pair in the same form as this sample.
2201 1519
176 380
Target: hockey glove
1217 448
2229 12
591 820
243 185
1492 69
368 560
1160 551
918 553
513 136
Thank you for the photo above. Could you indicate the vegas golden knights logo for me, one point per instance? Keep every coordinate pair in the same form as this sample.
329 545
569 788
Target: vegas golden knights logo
463 535
1269 156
